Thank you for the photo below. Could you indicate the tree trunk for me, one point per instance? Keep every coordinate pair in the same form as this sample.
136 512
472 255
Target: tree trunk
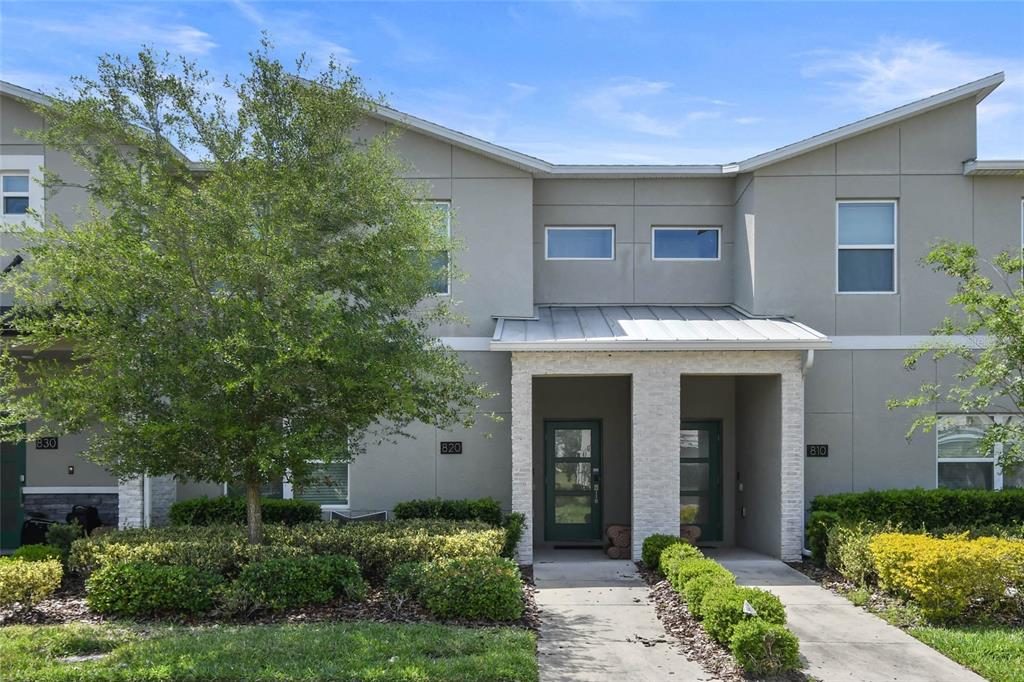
254 512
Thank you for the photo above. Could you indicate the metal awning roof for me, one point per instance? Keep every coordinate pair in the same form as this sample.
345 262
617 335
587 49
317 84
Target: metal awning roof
652 327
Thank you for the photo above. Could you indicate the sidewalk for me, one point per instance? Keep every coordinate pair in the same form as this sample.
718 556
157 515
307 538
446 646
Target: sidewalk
597 623
839 640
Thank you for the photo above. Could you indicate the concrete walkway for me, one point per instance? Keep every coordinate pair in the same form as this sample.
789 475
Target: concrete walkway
839 640
597 623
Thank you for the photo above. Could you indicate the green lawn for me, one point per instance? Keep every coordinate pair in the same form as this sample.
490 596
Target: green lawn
994 652
282 653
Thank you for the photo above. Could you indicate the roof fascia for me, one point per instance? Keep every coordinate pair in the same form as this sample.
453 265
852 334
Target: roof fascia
993 166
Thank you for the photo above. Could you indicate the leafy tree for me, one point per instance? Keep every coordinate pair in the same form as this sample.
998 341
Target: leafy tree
990 361
238 321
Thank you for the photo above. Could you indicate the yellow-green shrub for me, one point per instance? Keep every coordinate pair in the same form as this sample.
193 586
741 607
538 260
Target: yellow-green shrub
946 575
26 583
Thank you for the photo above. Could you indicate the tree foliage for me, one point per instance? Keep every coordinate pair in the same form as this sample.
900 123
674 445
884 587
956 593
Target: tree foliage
243 320
990 363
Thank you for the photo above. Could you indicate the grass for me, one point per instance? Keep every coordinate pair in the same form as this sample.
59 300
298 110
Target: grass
994 652
364 651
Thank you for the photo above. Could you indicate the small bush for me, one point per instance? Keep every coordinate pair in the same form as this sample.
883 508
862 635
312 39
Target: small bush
818 525
695 589
482 588
514 525
61 535
26 583
764 649
685 570
36 553
653 547
278 584
946 576
205 511
848 551
143 589
484 509
405 579
676 553
723 609
928 509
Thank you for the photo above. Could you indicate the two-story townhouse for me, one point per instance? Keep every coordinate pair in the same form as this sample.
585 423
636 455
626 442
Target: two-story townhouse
708 346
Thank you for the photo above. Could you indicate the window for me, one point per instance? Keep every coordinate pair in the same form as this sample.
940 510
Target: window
685 243
866 247
15 193
328 487
579 243
442 261
960 462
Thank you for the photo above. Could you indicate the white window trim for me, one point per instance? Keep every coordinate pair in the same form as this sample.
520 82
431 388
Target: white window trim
680 228
31 165
606 228
448 229
894 246
997 471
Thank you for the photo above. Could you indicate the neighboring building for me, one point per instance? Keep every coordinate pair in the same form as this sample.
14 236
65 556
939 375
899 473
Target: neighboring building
667 344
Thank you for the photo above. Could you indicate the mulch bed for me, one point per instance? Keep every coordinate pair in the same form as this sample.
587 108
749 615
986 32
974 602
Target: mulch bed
695 642
68 606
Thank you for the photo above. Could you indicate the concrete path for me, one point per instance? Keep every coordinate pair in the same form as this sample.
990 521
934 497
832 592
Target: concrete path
597 623
839 640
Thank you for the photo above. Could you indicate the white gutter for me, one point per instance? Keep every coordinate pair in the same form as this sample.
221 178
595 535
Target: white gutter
994 167
147 502
604 345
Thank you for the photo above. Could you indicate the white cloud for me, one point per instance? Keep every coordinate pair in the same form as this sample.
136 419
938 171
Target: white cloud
130 26
615 103
747 120
249 11
520 90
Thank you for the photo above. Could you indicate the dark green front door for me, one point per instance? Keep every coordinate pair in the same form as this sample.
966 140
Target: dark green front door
572 455
12 478
700 477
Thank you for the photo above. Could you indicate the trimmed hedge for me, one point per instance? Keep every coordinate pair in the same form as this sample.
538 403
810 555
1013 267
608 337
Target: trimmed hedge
37 553
144 589
847 550
683 571
673 554
723 609
485 588
205 511
278 584
484 509
26 583
654 545
919 508
376 547
764 649
697 588
818 525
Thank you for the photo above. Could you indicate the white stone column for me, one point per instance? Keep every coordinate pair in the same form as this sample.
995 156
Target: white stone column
145 501
163 492
792 454
522 451
655 464
131 512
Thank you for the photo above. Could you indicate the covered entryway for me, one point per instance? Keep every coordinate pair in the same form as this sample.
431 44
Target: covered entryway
653 352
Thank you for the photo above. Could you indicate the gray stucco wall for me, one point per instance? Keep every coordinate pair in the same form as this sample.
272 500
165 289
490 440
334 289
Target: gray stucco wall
758 462
604 398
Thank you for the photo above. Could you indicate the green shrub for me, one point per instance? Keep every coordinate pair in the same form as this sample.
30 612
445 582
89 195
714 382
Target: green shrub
487 588
654 545
928 509
61 535
695 589
848 551
26 583
143 589
673 554
405 579
36 553
205 511
514 525
685 570
818 525
278 584
723 609
764 649
484 509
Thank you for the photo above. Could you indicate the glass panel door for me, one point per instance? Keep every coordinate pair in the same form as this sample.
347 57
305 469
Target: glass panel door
572 454
700 477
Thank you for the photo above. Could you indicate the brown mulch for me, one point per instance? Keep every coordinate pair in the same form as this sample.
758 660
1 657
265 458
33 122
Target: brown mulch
695 642
68 606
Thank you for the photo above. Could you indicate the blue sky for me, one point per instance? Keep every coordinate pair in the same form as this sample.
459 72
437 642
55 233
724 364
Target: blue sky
582 82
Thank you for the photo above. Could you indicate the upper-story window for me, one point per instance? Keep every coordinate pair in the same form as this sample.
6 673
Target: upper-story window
579 243
442 261
866 247
686 243
961 461
15 193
